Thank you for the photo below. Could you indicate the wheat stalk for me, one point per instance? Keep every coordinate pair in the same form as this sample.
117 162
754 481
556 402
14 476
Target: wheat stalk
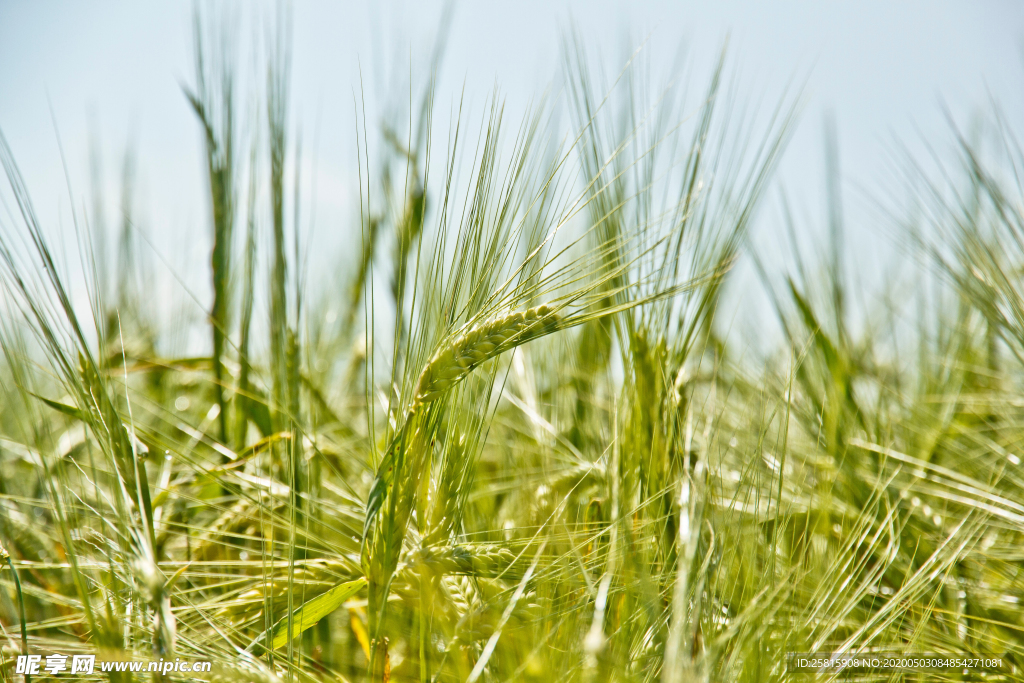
451 363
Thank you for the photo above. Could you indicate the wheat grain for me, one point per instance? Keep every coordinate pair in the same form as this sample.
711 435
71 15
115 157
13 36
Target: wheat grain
471 559
456 359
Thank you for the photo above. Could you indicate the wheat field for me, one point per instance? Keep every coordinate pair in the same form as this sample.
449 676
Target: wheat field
525 449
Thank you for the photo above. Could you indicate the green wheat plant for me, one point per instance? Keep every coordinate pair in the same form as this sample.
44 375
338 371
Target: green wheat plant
515 440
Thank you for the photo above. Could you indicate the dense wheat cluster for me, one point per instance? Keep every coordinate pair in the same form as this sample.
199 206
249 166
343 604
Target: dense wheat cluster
512 443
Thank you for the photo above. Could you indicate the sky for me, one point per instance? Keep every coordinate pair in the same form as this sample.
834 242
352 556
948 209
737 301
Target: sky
108 75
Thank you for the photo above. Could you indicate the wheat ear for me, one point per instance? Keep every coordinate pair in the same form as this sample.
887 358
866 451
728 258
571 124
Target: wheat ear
450 364
456 359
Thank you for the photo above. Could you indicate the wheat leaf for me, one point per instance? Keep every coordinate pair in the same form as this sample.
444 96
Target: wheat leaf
313 611
70 411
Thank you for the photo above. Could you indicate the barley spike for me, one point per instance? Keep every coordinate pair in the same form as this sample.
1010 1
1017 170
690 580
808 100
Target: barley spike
453 361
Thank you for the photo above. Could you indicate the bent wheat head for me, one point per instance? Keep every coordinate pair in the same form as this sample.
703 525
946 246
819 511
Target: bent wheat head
455 360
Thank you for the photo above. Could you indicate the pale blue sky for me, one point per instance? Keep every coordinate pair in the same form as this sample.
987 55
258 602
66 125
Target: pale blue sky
114 68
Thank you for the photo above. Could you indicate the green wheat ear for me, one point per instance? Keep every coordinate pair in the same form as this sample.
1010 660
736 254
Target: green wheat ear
453 361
